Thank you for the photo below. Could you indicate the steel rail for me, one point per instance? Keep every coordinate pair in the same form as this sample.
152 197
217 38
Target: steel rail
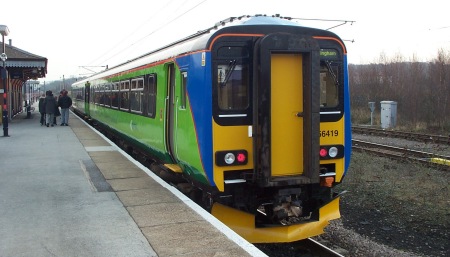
402 153
322 249
428 138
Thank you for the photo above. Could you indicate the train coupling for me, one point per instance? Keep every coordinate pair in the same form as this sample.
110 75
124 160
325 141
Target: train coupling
287 211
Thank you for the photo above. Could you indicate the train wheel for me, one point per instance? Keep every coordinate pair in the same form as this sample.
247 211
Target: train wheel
196 196
207 201
154 167
185 188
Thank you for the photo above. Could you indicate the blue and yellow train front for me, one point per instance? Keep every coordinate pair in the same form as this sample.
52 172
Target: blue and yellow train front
280 134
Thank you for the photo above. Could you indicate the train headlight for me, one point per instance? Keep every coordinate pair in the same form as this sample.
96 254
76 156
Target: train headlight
229 158
333 152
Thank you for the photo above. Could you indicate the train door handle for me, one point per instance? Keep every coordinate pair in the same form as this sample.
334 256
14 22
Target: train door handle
299 114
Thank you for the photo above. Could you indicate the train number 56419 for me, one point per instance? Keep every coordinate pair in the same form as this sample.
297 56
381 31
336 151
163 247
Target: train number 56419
329 133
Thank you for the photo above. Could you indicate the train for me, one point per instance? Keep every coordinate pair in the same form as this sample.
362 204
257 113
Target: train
250 117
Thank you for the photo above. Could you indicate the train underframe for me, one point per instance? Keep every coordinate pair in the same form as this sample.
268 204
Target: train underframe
267 214
277 214
258 214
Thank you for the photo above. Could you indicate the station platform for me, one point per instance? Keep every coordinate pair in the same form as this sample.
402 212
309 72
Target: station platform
69 191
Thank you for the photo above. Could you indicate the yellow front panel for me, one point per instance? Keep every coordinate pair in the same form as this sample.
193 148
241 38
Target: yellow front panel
332 133
244 224
286 127
231 138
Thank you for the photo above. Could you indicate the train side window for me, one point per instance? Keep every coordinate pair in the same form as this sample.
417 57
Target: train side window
151 103
329 84
124 96
115 95
106 100
92 94
79 94
136 100
183 90
136 95
107 95
233 86
97 94
100 94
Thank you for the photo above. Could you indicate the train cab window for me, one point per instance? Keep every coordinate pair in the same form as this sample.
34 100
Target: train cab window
232 74
233 86
183 90
329 84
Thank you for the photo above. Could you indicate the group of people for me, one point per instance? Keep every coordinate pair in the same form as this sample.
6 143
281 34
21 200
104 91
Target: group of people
49 108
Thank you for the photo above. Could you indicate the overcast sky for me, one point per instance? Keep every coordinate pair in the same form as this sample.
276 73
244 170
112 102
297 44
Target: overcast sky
80 36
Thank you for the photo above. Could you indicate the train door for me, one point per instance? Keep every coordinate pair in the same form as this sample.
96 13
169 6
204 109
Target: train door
286 112
287 115
171 110
180 112
87 92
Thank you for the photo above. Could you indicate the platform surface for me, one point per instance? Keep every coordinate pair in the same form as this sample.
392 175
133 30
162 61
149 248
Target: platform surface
68 191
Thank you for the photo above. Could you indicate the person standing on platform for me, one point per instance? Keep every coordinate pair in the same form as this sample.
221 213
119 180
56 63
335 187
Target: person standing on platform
49 107
57 112
41 109
64 102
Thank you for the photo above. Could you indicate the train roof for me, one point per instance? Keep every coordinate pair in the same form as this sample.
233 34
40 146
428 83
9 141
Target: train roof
200 41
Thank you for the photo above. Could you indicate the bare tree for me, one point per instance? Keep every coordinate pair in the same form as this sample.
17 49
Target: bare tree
440 88
421 89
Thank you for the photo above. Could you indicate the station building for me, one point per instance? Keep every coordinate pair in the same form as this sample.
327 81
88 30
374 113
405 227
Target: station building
20 68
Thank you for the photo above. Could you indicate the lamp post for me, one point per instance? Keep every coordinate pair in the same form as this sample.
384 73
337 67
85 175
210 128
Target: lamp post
5 32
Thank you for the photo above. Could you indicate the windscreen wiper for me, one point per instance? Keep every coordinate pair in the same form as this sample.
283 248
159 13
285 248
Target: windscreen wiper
330 70
230 69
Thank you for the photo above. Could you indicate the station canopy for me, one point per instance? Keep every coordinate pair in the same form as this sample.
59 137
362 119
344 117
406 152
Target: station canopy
22 65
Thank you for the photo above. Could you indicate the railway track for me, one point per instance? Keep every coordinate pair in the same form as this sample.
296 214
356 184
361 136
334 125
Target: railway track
427 138
322 250
426 158
307 247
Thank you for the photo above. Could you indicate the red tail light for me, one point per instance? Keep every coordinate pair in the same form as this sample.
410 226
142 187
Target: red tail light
323 152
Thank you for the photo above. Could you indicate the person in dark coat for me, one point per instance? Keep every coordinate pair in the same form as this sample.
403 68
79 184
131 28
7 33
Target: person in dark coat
64 102
57 112
41 109
49 107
